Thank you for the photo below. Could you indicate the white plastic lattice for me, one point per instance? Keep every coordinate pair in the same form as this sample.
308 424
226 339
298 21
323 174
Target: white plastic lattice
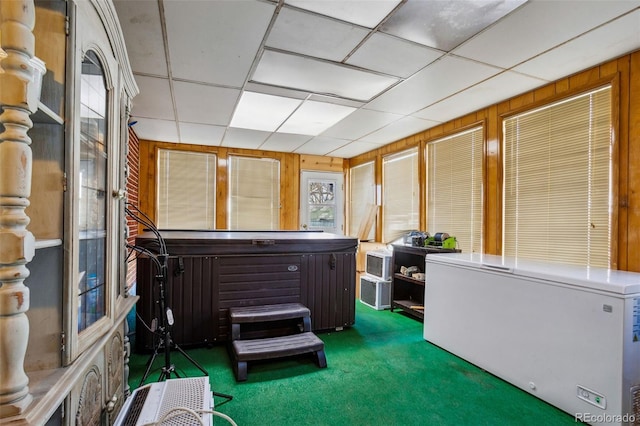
189 393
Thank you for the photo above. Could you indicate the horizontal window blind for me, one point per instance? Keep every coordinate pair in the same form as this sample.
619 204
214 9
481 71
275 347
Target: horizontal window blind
254 193
401 195
362 196
186 190
454 188
557 181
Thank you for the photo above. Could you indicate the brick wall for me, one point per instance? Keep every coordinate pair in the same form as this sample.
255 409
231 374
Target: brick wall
133 179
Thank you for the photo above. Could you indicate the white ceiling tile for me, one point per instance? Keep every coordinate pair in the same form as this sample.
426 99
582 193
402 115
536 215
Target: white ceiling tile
437 81
368 13
156 130
284 142
354 148
297 31
392 55
197 103
262 112
446 24
142 30
154 100
360 123
201 134
489 92
313 118
614 39
215 41
538 26
323 77
335 100
276 91
244 138
397 130
321 145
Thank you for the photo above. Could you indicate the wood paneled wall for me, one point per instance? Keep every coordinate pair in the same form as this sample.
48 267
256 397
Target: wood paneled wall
290 167
624 76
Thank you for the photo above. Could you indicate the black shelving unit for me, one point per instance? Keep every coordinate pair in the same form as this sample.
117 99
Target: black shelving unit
407 293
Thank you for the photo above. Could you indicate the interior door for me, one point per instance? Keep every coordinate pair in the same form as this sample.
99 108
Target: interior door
322 201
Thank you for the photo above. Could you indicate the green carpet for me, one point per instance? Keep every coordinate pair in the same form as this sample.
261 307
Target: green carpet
380 372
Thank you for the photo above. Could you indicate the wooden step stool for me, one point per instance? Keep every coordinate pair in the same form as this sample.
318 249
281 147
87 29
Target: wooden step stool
243 351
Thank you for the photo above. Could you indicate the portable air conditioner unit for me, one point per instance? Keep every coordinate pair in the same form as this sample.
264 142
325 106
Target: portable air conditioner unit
374 292
378 264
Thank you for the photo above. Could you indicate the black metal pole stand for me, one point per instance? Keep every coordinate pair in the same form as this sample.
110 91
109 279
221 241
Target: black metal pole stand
165 342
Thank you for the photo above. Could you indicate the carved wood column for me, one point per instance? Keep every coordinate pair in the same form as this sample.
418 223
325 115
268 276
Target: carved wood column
17 244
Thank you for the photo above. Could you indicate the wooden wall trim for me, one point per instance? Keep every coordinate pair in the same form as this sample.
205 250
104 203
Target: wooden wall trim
615 169
533 102
630 125
623 162
320 163
422 177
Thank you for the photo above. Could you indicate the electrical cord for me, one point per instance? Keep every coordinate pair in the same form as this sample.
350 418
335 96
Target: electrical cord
224 416
155 333
146 221
178 411
132 252
140 217
142 250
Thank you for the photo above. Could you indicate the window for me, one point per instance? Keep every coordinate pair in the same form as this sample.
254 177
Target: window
401 194
557 181
362 196
186 190
254 193
92 197
454 188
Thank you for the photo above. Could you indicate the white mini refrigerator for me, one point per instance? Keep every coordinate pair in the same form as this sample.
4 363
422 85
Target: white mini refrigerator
569 335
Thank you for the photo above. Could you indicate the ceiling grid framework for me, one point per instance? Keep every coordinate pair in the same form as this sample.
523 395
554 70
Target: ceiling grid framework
341 78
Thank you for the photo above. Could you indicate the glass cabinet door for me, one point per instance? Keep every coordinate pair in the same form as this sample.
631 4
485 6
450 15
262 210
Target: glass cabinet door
93 210
92 201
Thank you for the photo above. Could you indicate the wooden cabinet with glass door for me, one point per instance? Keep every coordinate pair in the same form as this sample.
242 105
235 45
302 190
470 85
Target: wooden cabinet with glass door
76 305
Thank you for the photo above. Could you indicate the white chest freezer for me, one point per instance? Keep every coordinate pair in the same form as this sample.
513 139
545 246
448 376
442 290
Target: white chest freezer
569 335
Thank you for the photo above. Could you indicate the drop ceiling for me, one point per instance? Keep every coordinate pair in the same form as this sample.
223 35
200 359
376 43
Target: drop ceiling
341 78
